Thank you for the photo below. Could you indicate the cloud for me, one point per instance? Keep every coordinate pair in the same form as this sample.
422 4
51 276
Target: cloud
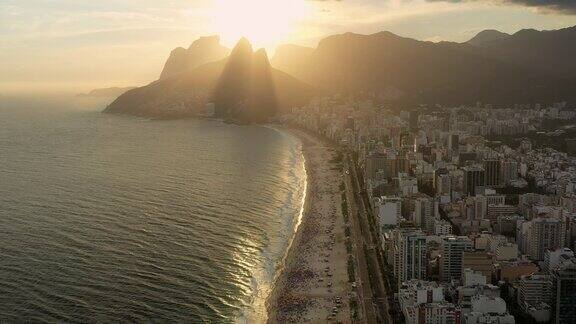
566 7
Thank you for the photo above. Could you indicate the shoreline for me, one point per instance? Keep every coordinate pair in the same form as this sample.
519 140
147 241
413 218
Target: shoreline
311 283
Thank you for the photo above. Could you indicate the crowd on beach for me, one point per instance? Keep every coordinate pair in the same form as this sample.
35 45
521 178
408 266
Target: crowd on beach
310 288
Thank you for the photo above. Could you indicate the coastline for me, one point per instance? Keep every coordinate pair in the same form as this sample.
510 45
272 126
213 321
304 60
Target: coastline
312 282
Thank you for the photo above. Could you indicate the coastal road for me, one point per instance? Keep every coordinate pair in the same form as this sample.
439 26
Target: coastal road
368 249
363 288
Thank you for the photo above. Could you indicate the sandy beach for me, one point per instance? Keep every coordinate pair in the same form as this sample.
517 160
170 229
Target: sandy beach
313 285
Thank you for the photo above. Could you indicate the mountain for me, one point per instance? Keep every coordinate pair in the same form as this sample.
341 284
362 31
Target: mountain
425 72
202 51
527 67
113 92
292 57
243 87
487 36
550 52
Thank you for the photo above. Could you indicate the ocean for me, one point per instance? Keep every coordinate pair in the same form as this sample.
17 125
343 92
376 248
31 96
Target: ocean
107 218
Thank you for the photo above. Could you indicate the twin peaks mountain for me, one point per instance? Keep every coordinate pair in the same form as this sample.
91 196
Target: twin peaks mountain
493 67
242 87
246 89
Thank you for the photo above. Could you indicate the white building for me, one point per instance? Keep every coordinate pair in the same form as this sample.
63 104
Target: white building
488 310
423 302
553 258
416 292
473 284
388 209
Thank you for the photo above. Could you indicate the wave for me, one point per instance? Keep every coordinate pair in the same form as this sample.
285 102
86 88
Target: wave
111 219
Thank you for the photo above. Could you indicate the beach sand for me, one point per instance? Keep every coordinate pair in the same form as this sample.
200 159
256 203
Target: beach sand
313 284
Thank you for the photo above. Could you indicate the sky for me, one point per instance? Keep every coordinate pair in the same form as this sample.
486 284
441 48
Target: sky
78 45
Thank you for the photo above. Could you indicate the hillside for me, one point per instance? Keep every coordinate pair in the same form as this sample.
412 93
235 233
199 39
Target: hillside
550 52
426 72
202 51
187 93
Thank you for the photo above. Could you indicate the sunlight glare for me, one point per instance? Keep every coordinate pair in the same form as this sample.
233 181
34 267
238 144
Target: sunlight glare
266 23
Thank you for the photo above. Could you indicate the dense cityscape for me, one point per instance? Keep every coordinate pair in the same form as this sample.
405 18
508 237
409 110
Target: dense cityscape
473 208
288 161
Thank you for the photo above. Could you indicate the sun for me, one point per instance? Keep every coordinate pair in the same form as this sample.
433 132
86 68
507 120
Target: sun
266 23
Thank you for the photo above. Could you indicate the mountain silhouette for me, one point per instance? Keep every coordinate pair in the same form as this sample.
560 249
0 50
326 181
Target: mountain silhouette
202 51
243 87
496 69
526 67
550 52
487 36
246 89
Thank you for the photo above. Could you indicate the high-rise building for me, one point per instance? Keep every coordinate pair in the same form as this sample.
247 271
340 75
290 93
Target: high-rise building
452 249
480 207
509 171
474 180
542 234
411 255
425 212
453 142
533 290
492 173
563 292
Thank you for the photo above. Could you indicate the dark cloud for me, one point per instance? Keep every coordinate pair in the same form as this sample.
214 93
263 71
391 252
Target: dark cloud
551 6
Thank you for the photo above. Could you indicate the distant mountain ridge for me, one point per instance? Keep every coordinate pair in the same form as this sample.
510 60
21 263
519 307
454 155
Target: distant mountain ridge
487 36
493 67
552 51
526 67
112 92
